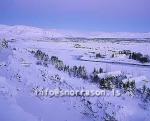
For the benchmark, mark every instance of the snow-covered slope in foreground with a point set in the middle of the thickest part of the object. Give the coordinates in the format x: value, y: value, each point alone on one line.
x: 27, y: 32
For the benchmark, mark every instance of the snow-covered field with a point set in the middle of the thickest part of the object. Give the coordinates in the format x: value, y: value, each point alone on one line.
x: 20, y: 76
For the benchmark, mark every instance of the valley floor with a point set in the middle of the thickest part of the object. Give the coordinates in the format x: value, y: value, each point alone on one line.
x: 20, y: 76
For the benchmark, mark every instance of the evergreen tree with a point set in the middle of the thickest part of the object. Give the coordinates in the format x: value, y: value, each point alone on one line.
x: 4, y: 43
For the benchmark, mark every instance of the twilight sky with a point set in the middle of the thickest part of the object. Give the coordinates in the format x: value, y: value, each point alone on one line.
x: 78, y: 15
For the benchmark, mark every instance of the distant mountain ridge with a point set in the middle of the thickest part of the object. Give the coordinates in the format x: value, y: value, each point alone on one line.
x: 28, y: 32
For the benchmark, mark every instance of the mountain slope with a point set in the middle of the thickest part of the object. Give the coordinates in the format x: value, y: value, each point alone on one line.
x: 27, y: 32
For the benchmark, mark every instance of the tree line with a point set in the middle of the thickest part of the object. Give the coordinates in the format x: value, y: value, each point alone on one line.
x: 108, y: 82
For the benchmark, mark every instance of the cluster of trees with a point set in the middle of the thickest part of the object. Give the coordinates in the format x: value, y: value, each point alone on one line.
x: 126, y: 52
x: 144, y: 93
x: 135, y: 56
x: 108, y: 82
x: 147, y: 94
x: 111, y: 82
x: 132, y: 55
x: 139, y: 57
x: 94, y: 76
x: 98, y: 55
x: 76, y: 71
x: 79, y: 72
x: 43, y: 59
x: 129, y: 86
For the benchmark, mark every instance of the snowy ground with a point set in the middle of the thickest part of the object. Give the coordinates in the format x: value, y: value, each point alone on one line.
x: 19, y: 75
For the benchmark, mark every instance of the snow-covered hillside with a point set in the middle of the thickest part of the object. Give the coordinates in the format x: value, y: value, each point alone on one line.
x: 28, y: 32
x: 31, y: 69
x: 120, y: 35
